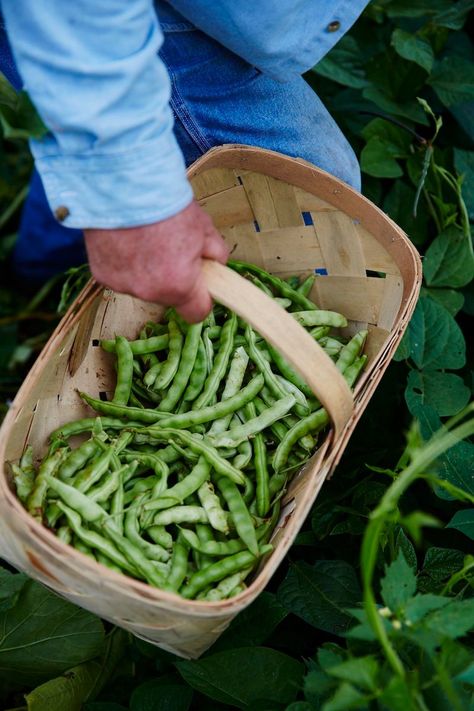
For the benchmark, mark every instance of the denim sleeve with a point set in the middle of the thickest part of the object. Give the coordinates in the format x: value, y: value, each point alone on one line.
x: 91, y: 68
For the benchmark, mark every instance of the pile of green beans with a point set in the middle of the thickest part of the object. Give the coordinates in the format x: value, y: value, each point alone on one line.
x: 177, y: 479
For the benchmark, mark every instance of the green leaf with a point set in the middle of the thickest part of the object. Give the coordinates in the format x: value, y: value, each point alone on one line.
x: 154, y: 695
x: 445, y: 392
x: 376, y: 159
x: 407, y: 109
x: 455, y: 16
x: 420, y: 605
x: 464, y: 164
x: 300, y: 706
x: 399, y: 583
x: 399, y: 203
x: 242, y: 677
x: 450, y: 299
x: 441, y: 563
x: 346, y: 697
x: 22, y: 120
x: 360, y: 671
x: 467, y: 676
x: 8, y: 95
x: 452, y: 79
x: 403, y: 544
x: 344, y: 64
x: 43, y: 635
x: 316, y: 686
x: 457, y: 464
x: 321, y: 593
x: 449, y: 260
x: 463, y: 521
x: 67, y: 692
x: 414, y: 48
x: 104, y: 706
x: 397, y: 695
x: 436, y: 341
x: 422, y: 8
x: 254, y: 624
x: 11, y: 585
x: 453, y: 620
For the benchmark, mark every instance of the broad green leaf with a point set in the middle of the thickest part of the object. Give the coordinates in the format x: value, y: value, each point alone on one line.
x: 155, y: 695
x: 420, y: 605
x: 241, y: 677
x: 455, y: 16
x: 407, y: 109
x: 441, y: 563
x: 104, y: 706
x: 254, y: 624
x: 43, y: 635
x: 467, y: 676
x: 464, y: 163
x: 403, y: 544
x: 362, y: 672
x: 22, y: 121
x: 67, y: 692
x: 320, y: 594
x: 398, y: 204
x: 397, y: 695
x: 451, y: 299
x: 445, y: 392
x: 414, y: 48
x: 300, y: 706
x: 316, y: 686
x: 377, y: 159
x: 329, y: 655
x: 344, y: 64
x: 463, y: 521
x: 11, y: 585
x: 398, y: 584
x: 422, y: 8
x: 457, y: 464
x: 452, y: 79
x: 449, y: 260
x: 8, y: 95
x: 346, y: 697
x: 453, y: 620
x: 436, y: 341
x: 398, y: 139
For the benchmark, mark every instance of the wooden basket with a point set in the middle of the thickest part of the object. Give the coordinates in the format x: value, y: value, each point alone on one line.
x: 277, y: 212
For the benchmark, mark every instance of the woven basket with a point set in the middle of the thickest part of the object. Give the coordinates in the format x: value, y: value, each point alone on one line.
x: 277, y: 212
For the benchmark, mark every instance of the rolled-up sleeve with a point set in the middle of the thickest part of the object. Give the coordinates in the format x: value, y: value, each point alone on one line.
x: 110, y: 158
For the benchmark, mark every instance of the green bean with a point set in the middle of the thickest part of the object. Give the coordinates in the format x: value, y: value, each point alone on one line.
x: 221, y: 361
x: 301, y: 407
x: 134, y: 401
x: 181, y: 379
x: 198, y: 447
x: 306, y: 286
x: 353, y: 371
x: 104, y: 490
x: 170, y: 366
x: 263, y: 365
x: 152, y: 461
x: 48, y: 467
x: 319, y: 332
x: 226, y: 587
x: 147, y: 395
x: 208, y: 348
x: 95, y: 540
x: 261, y: 469
x: 64, y: 534
x: 152, y: 373
x: 287, y: 371
x: 83, y: 548
x: 238, y: 434
x: 293, y: 281
x: 222, y: 569
x: 235, y: 378
x: 278, y: 284
x: 24, y: 481
x: 212, y: 506
x: 87, y: 509
x: 137, y: 414
x: 284, y: 303
x: 116, y: 507
x: 94, y: 471
x: 124, y: 371
x: 105, y: 560
x: 153, y: 551
x: 160, y: 535
x: 180, y: 514
x: 350, y: 351
x: 179, y: 562
x: 314, y: 422
x: 218, y: 549
x: 211, y: 412
x: 239, y: 513
x: 141, y: 346
x: 184, y: 488
x: 198, y: 376
x: 320, y: 318
x: 249, y: 491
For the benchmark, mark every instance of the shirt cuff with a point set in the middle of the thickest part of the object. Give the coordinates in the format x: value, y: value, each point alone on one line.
x: 139, y: 186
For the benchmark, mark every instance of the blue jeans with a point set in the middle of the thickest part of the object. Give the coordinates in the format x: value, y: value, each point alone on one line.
x: 217, y: 98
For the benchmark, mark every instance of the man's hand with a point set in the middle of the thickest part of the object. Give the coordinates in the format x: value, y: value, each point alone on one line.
x: 160, y: 262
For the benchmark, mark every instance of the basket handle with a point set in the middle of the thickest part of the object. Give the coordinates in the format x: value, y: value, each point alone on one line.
x: 285, y: 333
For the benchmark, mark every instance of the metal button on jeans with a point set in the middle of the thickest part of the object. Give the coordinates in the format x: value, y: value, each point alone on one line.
x: 333, y: 26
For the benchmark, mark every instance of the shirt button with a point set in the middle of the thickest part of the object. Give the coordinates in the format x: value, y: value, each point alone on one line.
x: 333, y: 26
x: 61, y: 213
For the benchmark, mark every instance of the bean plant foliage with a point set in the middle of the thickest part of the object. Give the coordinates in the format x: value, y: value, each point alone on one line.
x: 374, y: 606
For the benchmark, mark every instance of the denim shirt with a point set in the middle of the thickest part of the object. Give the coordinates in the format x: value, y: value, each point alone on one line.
x: 93, y: 72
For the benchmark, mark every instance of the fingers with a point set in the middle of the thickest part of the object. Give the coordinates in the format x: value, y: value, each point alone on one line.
x: 198, y: 304
x: 215, y: 247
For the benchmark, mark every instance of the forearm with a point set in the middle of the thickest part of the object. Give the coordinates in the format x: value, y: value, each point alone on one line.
x: 92, y: 70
